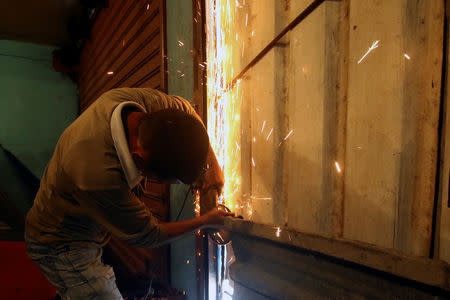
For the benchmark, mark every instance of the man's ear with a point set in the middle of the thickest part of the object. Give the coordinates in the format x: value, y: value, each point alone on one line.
x: 138, y: 160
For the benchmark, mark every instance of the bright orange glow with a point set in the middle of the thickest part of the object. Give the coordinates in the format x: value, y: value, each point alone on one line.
x: 197, y: 203
x: 224, y: 102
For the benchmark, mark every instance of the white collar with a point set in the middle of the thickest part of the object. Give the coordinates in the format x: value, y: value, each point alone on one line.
x: 121, y: 144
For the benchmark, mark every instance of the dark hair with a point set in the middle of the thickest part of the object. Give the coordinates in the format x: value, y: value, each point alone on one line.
x: 177, y: 144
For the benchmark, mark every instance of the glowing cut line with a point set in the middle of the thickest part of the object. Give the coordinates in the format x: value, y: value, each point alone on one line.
x: 374, y: 46
x: 338, y: 168
x: 262, y: 129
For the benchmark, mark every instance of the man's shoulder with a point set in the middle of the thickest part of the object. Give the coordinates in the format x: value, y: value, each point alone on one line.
x: 91, y: 166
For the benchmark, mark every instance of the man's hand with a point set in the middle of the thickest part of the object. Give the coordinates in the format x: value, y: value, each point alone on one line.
x: 213, y: 217
x: 216, y: 216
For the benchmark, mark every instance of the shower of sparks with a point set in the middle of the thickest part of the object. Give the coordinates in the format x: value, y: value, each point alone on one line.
x: 110, y: 73
x: 253, y: 162
x: 253, y: 33
x: 180, y: 44
x: 288, y: 135
x: 278, y: 232
x: 197, y: 203
x: 246, y: 19
x: 188, y: 261
x: 148, y: 5
x: 254, y: 140
x: 374, y: 46
x: 220, y: 237
x: 270, y: 133
x: 262, y: 128
x: 407, y: 56
x: 338, y: 168
x: 223, y: 100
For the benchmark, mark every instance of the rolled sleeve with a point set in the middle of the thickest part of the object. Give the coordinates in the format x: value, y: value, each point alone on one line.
x: 122, y: 214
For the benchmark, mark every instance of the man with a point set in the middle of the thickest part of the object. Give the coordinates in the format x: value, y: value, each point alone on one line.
x: 90, y: 186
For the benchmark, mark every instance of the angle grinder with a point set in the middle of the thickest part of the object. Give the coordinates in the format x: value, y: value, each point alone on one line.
x: 209, y: 200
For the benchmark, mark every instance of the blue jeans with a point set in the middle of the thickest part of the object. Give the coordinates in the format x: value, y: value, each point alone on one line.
x: 76, y: 272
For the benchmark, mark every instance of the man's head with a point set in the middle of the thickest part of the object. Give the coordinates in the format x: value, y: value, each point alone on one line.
x: 172, y: 145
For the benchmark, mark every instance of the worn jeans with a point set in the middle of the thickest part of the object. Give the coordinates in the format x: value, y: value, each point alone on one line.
x: 76, y: 272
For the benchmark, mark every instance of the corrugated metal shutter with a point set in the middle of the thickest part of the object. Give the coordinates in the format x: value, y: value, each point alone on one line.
x: 126, y: 49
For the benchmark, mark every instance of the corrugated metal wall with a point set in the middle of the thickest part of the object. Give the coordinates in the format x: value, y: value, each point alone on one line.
x: 126, y: 49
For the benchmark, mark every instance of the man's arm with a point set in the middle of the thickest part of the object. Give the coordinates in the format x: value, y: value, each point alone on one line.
x: 124, y: 215
x: 214, y: 217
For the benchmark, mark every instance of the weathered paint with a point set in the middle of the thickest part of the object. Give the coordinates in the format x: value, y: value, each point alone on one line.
x: 37, y: 105
x: 180, y: 82
x: 393, y: 109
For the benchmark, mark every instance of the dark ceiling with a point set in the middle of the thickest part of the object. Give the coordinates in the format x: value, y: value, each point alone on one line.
x: 50, y: 22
